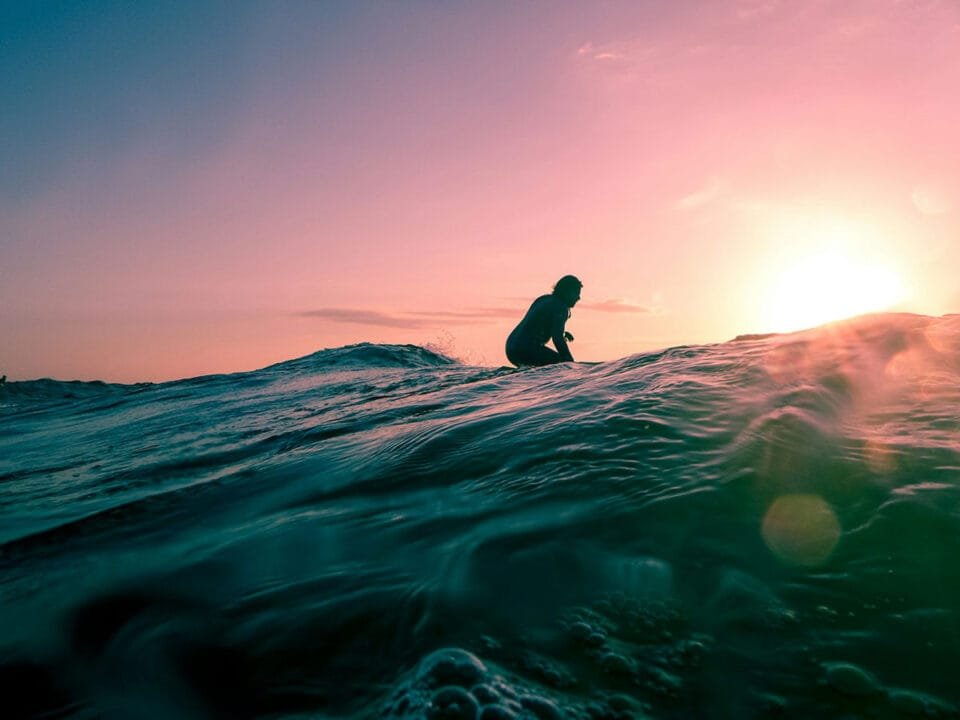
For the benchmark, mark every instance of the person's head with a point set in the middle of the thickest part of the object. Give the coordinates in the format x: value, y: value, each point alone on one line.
x: 568, y: 289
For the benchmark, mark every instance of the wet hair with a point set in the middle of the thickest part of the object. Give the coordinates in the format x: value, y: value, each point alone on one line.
x: 567, y: 285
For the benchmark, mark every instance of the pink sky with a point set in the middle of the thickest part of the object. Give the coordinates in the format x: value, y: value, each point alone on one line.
x: 415, y: 173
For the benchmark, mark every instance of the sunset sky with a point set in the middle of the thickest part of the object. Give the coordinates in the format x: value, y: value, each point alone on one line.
x: 196, y: 187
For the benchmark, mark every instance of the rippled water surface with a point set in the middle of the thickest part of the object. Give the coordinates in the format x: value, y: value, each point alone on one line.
x: 768, y: 527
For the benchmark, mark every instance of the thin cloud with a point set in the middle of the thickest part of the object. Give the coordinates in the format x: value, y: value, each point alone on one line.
x: 750, y: 9
x: 421, y: 319
x: 410, y: 320
x: 475, y: 314
x: 352, y: 316
x: 705, y: 195
x: 609, y: 52
x: 617, y: 306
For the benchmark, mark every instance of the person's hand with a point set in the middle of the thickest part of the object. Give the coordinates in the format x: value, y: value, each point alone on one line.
x: 568, y: 336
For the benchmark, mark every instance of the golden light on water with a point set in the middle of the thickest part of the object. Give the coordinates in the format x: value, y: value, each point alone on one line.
x: 801, y: 529
x: 880, y: 457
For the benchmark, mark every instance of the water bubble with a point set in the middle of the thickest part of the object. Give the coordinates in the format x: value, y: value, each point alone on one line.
x: 580, y: 630
x: 615, y: 663
x: 801, y: 529
x: 596, y: 639
x: 918, y: 704
x: 907, y: 702
x: 452, y: 703
x: 541, y: 707
x: 485, y: 694
x: 850, y: 679
x: 452, y: 666
x: 497, y: 712
x: 663, y: 682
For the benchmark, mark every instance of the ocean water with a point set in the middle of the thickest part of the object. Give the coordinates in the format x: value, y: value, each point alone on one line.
x: 768, y: 527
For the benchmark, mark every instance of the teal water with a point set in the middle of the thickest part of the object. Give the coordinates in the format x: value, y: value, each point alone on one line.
x: 768, y: 527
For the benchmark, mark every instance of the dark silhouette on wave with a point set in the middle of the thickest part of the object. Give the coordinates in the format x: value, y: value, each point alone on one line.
x: 545, y: 321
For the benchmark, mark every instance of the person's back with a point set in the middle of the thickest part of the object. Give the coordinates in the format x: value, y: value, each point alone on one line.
x: 545, y: 320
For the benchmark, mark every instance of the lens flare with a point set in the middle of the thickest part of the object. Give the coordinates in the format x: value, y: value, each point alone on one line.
x: 801, y: 529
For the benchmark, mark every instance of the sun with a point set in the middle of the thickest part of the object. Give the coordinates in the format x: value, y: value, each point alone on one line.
x: 831, y: 276
x: 830, y: 286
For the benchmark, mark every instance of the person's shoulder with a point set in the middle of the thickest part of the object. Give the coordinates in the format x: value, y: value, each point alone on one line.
x: 555, y: 303
x: 550, y: 305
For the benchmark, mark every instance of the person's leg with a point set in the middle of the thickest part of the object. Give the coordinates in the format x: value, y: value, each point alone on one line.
x: 533, y: 356
x: 546, y: 356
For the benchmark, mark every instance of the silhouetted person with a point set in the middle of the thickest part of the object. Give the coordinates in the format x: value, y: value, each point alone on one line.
x: 545, y: 320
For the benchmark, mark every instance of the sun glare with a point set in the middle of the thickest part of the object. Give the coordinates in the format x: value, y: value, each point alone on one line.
x: 829, y: 286
x: 825, y: 268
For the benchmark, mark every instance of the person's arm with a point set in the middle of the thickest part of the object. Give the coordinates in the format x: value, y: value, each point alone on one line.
x: 558, y: 335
